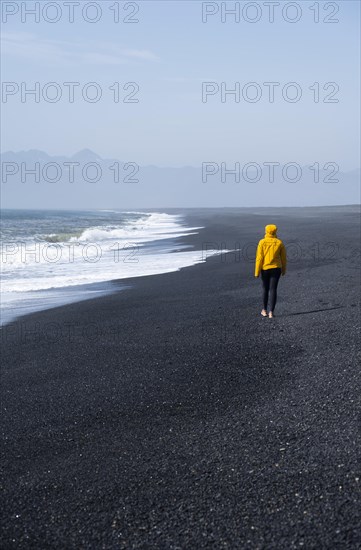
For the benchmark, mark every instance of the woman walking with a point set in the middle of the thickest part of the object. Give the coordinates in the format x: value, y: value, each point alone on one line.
x: 271, y: 261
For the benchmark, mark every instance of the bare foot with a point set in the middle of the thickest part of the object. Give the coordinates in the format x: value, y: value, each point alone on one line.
x: 264, y: 313
x: 270, y: 315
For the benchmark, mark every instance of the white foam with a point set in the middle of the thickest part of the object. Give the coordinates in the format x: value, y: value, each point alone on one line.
x: 101, y: 253
x: 31, y: 256
x: 131, y: 264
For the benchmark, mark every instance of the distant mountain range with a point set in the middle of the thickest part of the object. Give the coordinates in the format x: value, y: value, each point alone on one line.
x: 34, y: 179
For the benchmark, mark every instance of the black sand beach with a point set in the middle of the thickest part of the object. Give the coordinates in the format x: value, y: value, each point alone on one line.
x: 172, y: 415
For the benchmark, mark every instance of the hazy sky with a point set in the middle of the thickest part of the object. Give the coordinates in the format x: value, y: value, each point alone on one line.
x: 169, y: 53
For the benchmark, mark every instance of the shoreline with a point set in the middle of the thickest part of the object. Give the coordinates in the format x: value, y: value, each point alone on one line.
x: 154, y: 249
x: 172, y: 415
x: 183, y: 241
x: 102, y: 287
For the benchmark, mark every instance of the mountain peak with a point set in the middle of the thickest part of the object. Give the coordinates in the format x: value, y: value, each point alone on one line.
x: 86, y: 154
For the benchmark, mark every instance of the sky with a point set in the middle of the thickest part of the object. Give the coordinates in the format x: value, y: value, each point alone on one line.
x: 169, y: 54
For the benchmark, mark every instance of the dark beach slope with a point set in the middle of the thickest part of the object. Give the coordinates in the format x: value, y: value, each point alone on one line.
x: 173, y: 416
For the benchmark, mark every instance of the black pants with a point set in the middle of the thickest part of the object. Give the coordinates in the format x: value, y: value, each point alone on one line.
x: 270, y: 278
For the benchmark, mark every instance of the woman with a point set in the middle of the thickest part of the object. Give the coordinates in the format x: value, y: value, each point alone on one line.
x: 271, y: 262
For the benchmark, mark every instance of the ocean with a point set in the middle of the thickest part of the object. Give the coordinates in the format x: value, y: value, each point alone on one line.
x: 51, y: 258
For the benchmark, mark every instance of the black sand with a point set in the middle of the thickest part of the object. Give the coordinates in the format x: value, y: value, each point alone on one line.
x: 173, y: 416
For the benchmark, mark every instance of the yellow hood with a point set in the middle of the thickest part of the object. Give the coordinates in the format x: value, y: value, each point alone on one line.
x: 271, y: 230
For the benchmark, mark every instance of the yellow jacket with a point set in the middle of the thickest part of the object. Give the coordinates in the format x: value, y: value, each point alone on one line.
x: 271, y: 252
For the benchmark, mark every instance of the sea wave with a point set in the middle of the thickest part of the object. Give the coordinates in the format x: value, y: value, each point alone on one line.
x: 95, y: 253
x: 150, y: 264
x: 48, y: 255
